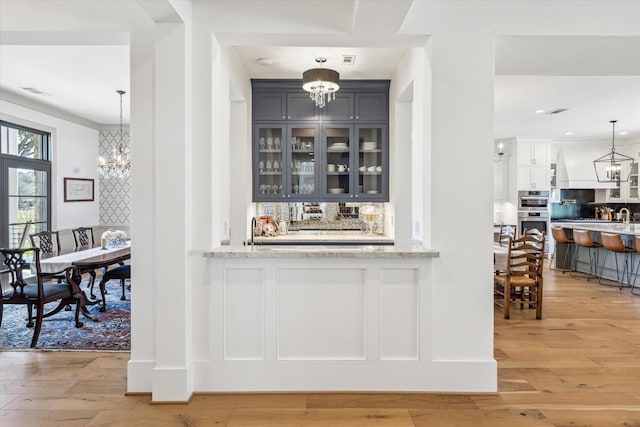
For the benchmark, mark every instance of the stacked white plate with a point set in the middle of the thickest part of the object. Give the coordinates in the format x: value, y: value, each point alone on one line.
x: 336, y: 190
x: 338, y: 145
x: 368, y: 145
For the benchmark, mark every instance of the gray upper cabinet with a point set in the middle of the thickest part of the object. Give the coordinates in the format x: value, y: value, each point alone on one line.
x: 371, y: 107
x: 269, y: 106
x: 362, y: 107
x: 300, y: 107
x: 304, y: 153
x: 340, y: 109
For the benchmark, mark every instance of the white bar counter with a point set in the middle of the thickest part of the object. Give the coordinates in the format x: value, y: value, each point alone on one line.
x: 320, y: 318
x: 632, y: 229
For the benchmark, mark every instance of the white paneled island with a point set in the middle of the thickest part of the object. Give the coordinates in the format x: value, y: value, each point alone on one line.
x: 286, y: 318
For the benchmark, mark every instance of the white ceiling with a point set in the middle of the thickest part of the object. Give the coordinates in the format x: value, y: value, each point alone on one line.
x: 596, y: 78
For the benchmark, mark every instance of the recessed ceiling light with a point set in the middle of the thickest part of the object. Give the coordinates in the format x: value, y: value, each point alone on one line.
x: 568, y: 133
x: 265, y: 62
x: 624, y: 132
x: 540, y: 111
x: 35, y: 91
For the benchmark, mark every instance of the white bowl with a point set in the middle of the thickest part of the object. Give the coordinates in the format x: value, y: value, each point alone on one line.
x: 363, y: 168
x: 371, y: 169
x: 379, y: 168
x: 336, y: 190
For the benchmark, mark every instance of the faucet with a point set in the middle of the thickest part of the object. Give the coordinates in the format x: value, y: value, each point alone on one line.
x: 626, y: 217
x: 254, y: 224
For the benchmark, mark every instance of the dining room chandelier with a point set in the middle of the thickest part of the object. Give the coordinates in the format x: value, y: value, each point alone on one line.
x: 118, y: 164
x: 613, y: 166
x: 321, y: 83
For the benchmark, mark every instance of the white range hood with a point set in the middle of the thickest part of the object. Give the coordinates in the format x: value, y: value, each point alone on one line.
x: 576, y: 166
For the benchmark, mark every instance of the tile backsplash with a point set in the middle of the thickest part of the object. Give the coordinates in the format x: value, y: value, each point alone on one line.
x: 326, y: 216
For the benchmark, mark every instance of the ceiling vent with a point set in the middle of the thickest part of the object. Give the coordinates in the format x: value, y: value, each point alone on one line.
x: 557, y: 111
x: 348, y: 59
x: 36, y: 91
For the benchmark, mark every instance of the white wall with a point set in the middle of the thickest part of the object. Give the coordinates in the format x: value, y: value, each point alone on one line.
x: 74, y: 154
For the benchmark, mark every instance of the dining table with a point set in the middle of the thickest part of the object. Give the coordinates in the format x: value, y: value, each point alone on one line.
x: 85, y: 259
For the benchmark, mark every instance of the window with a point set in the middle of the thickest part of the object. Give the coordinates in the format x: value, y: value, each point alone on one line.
x: 25, y: 183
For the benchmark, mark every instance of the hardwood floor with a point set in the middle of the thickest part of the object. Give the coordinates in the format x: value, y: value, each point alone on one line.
x: 578, y: 366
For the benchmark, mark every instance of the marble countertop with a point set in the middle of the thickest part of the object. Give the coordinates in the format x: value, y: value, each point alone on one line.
x: 320, y: 236
x: 319, y: 251
x: 608, y: 227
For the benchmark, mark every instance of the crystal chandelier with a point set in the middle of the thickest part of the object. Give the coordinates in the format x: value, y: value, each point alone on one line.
x: 613, y: 167
x: 118, y: 165
x: 321, y: 83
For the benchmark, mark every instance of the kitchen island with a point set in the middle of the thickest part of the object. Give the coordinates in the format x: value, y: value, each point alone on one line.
x: 286, y: 318
x: 628, y: 232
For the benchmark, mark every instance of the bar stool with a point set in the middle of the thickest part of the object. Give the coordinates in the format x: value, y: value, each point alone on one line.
x: 613, y: 242
x: 583, y: 239
x: 560, y: 236
x: 635, y: 276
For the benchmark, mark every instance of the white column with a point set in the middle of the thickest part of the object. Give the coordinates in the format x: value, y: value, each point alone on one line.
x: 172, y: 379
x: 143, y: 274
x: 462, y: 70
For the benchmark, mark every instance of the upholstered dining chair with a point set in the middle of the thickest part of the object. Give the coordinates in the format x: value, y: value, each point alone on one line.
x: 121, y: 273
x: 84, y: 239
x: 522, y: 279
x: 36, y: 295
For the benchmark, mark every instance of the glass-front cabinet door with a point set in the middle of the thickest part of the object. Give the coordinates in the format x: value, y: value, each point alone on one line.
x: 337, y: 146
x: 302, y: 172
x: 268, y: 162
x: 285, y: 162
x: 372, y: 161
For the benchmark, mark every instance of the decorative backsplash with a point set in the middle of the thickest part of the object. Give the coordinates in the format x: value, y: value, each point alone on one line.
x: 115, y: 194
x: 326, y: 216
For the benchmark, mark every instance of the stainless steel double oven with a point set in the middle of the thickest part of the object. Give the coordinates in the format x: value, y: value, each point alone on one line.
x: 534, y: 213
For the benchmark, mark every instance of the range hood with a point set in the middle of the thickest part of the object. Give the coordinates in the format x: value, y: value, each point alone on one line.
x: 576, y: 166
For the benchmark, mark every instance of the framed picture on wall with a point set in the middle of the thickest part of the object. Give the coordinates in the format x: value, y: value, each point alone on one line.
x: 78, y: 190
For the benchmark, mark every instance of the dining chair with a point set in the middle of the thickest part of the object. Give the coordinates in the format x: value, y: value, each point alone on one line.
x: 84, y: 239
x: 47, y: 241
x: 36, y: 295
x: 522, y: 280
x: 121, y: 273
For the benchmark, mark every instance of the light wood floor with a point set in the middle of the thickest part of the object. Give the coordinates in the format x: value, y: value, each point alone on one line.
x: 579, y: 366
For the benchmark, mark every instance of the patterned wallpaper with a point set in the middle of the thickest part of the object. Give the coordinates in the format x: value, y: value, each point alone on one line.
x: 115, y: 194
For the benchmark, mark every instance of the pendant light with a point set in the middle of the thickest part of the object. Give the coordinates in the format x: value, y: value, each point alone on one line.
x: 118, y: 165
x: 613, y: 167
x: 321, y: 83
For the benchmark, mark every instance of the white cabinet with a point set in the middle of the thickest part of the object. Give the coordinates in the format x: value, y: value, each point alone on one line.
x: 533, y: 153
x: 625, y: 191
x: 533, y: 178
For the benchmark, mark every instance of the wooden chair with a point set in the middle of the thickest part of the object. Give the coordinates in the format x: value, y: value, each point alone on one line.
x: 47, y: 241
x: 40, y: 293
x: 84, y: 239
x: 522, y: 281
x: 121, y: 273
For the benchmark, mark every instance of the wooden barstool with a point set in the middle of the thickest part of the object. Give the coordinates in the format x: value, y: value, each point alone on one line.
x: 583, y: 239
x: 560, y: 236
x: 613, y: 242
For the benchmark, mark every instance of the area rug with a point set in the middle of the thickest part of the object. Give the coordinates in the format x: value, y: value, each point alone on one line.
x: 111, y: 332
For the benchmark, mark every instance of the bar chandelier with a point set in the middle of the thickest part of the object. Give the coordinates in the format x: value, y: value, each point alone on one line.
x: 613, y: 167
x: 321, y: 83
x: 118, y: 165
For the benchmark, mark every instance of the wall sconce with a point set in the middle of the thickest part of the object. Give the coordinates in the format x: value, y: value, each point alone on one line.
x: 497, y: 157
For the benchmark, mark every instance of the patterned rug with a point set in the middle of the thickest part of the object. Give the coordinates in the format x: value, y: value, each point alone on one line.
x: 111, y: 333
